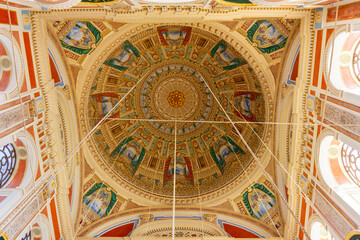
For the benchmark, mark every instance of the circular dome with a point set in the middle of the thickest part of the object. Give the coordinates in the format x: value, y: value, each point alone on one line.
x: 178, y: 72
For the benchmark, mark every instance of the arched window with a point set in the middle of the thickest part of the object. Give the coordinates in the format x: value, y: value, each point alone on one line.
x: 351, y: 161
x: 343, y: 62
x: 8, y: 163
x: 340, y: 168
x: 319, y: 232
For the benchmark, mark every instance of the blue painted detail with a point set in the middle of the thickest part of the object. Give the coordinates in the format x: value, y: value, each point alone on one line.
x: 318, y: 23
x: 40, y: 101
x: 220, y: 222
x: 183, y: 217
x: 289, y: 81
x: 135, y: 221
x: 61, y: 83
x: 27, y: 12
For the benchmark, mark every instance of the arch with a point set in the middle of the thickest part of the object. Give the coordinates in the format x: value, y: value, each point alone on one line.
x: 68, y: 126
x: 11, y: 65
x: 318, y: 229
x: 192, y: 226
x: 26, y: 153
x: 319, y: 232
x: 25, y: 169
x: 342, y: 63
x: 141, y: 222
x: 283, y: 139
x: 56, y: 64
x: 333, y: 172
x: 290, y: 72
x: 39, y: 228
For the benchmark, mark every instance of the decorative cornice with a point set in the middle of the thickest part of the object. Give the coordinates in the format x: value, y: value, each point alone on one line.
x: 205, y: 210
x: 302, y: 88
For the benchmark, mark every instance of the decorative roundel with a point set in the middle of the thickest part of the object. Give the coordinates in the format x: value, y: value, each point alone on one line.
x: 36, y: 232
x: 175, y: 91
x: 181, y: 73
x: 22, y: 152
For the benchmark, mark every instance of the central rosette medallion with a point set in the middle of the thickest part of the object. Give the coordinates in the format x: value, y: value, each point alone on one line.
x: 175, y: 92
x: 176, y: 99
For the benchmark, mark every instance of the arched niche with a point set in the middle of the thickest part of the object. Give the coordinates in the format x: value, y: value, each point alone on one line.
x: 39, y: 228
x: 11, y: 66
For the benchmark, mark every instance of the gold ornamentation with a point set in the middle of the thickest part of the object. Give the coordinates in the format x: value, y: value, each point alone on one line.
x: 147, y: 217
x: 353, y: 235
x: 3, y: 236
x: 176, y: 99
x: 210, y: 217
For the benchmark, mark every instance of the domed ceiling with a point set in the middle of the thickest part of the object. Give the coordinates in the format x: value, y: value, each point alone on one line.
x: 176, y: 69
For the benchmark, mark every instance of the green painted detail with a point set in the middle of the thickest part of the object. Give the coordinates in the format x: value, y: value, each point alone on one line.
x: 148, y: 58
x: 132, y: 128
x: 220, y: 162
x: 82, y: 51
x: 120, y: 148
x: 79, y: 51
x: 221, y: 77
x: 165, y: 148
x: 234, y: 62
x: 189, y: 50
x: 153, y: 143
x: 274, y: 47
x: 161, y: 54
x: 112, y: 200
x: 355, y: 237
x: 247, y: 204
x: 127, y: 47
x: 135, y: 164
x: 251, y: 32
x: 221, y: 44
x: 246, y: 197
x: 235, y: 147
